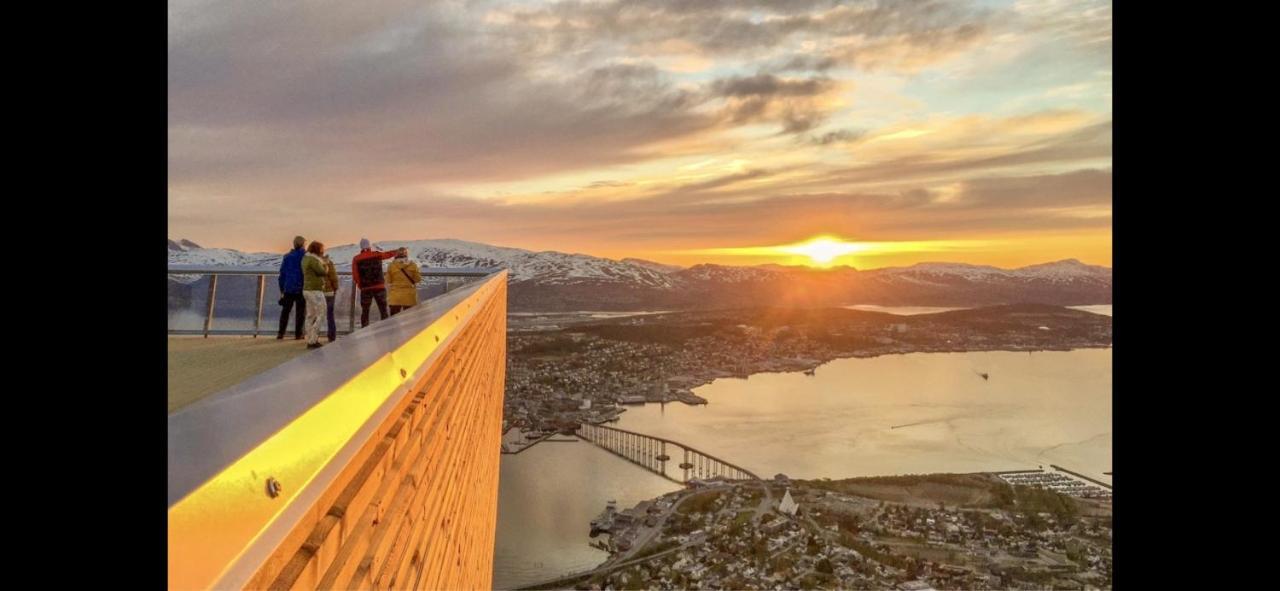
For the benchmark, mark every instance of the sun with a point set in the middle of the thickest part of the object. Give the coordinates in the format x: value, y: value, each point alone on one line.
x: 823, y: 250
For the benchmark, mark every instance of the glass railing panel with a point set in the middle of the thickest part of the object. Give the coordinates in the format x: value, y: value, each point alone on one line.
x: 188, y: 301
x: 235, y: 304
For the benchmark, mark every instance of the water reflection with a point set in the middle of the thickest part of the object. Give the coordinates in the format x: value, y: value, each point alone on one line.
x: 898, y: 414
x: 902, y: 310
x: 895, y: 414
x: 548, y: 496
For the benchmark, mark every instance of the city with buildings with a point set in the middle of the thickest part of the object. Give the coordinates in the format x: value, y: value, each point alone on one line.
x: 941, y: 531
x: 563, y: 370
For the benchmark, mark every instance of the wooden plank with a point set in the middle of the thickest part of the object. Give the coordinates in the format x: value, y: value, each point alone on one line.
x: 448, y: 415
x: 443, y: 559
x: 431, y: 545
x: 426, y: 501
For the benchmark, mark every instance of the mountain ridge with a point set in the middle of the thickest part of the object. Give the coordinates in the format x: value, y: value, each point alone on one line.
x: 552, y: 280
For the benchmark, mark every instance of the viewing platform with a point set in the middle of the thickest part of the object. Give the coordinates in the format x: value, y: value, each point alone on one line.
x: 201, y: 366
x: 370, y: 462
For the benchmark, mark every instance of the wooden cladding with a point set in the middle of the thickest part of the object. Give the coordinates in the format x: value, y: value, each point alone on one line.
x: 417, y: 506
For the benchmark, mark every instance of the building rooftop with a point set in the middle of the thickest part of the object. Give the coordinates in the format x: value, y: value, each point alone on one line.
x: 199, y: 366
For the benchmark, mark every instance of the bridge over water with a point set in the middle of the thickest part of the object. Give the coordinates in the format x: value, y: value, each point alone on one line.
x: 672, y: 460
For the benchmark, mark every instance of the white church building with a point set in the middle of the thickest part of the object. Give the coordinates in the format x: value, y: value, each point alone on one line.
x: 788, y: 505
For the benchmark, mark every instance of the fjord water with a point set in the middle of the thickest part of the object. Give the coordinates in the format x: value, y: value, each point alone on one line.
x: 904, y: 414
x: 1103, y: 309
x: 894, y: 414
x: 547, y: 497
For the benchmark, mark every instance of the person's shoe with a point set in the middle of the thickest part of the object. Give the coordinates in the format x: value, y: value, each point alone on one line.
x: 279, y: 337
x: 297, y: 338
x: 314, y: 345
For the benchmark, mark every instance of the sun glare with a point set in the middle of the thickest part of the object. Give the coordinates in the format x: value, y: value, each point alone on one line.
x: 827, y: 251
x: 823, y: 250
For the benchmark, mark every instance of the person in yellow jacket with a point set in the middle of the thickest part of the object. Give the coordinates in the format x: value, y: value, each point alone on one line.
x: 402, y: 281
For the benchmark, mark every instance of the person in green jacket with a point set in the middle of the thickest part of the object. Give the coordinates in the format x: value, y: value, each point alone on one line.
x: 315, y: 274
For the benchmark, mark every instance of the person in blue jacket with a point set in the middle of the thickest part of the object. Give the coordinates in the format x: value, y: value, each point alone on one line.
x: 291, y: 288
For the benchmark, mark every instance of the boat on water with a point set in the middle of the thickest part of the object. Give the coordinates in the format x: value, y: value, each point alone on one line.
x: 604, y: 522
x: 810, y: 371
x: 663, y: 457
x: 686, y: 465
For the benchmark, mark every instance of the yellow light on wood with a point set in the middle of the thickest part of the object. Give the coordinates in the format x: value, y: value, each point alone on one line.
x: 213, y: 527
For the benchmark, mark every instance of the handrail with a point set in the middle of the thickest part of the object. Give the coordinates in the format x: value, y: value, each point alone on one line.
x: 182, y: 269
x: 298, y: 424
x: 214, y: 271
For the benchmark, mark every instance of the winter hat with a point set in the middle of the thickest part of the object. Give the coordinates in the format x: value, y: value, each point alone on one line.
x: 364, y: 244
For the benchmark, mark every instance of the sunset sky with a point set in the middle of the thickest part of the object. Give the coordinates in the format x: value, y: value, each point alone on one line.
x: 676, y: 131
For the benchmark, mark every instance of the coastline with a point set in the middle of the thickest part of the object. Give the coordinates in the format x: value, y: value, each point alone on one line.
x: 691, y: 382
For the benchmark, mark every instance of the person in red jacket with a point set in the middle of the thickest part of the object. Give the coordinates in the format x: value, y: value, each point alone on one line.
x: 366, y: 271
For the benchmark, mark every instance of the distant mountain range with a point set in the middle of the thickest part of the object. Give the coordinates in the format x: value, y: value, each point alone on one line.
x: 556, y: 281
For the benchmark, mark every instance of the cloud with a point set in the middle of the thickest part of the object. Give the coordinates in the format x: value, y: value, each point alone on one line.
x: 577, y: 121
x: 360, y: 98
x: 839, y: 136
x: 766, y: 97
x: 769, y: 85
x: 263, y: 94
x: 985, y: 204
x: 867, y: 31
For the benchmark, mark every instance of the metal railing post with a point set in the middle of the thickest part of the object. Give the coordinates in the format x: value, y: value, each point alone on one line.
x: 257, y: 320
x: 208, y: 317
x: 351, y: 318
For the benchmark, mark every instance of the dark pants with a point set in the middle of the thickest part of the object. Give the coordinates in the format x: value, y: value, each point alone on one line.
x: 368, y: 296
x: 396, y: 309
x: 333, y: 326
x: 289, y: 300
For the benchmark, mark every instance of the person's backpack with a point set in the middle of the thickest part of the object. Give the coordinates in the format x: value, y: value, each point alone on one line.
x: 370, y: 270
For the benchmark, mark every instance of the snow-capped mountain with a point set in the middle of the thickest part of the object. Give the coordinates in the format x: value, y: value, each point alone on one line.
x: 550, y: 280
x: 659, y: 267
x: 1063, y: 271
x: 729, y: 274
x: 523, y: 265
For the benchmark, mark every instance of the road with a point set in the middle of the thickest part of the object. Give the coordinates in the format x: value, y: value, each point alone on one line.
x: 606, y: 568
x: 645, y: 536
